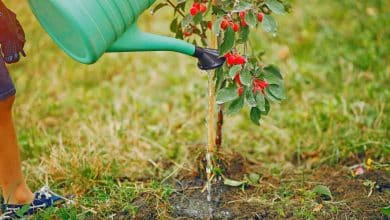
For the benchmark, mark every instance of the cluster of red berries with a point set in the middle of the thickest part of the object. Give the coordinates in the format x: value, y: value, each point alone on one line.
x: 242, y: 14
x: 226, y: 23
x: 198, y: 7
x: 242, y: 18
x: 235, y: 59
x: 259, y: 85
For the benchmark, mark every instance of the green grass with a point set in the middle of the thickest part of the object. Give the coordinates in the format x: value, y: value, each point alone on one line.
x: 81, y: 127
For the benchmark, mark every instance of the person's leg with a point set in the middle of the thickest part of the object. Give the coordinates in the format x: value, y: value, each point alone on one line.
x: 14, y: 187
x: 12, y: 183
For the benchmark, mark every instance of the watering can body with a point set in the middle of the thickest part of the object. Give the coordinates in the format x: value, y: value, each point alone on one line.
x: 86, y: 29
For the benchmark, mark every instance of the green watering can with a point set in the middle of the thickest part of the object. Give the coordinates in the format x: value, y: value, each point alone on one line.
x: 86, y: 29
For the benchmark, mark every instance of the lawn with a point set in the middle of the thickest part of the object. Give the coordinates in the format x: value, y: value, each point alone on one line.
x: 126, y: 127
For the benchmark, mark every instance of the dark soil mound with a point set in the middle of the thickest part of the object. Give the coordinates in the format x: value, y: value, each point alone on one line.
x: 287, y: 195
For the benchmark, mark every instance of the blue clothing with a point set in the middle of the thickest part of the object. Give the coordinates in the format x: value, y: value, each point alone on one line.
x: 7, y: 87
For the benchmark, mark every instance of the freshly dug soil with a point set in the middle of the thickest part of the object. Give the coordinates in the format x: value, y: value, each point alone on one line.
x: 287, y: 195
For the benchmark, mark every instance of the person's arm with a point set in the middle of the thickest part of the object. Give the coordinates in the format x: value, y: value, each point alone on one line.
x: 3, y: 25
x: 12, y: 37
x: 5, y: 18
x: 9, y: 23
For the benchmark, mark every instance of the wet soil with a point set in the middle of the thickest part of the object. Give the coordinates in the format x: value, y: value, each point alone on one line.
x: 287, y: 195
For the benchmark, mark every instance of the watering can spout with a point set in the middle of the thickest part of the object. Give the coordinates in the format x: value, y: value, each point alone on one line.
x: 134, y: 40
x: 208, y: 58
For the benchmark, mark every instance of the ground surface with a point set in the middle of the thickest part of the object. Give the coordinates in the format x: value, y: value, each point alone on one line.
x: 119, y: 133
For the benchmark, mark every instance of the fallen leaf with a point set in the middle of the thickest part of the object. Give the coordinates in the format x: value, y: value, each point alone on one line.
x: 318, y: 208
x: 234, y: 183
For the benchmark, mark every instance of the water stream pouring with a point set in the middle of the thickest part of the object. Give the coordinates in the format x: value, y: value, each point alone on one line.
x: 86, y: 29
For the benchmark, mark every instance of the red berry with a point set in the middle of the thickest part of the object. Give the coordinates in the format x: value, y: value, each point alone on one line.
x: 240, y: 60
x: 194, y: 11
x: 237, y: 79
x: 242, y: 14
x: 224, y: 24
x: 260, y: 17
x: 243, y: 23
x: 196, y: 5
x: 231, y: 60
x: 259, y: 85
x: 236, y: 27
x: 202, y: 8
x: 187, y: 33
x: 240, y: 91
x: 210, y: 25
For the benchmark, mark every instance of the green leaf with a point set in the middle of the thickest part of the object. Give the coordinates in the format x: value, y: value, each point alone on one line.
x: 267, y: 107
x: 271, y: 97
x: 173, y: 26
x: 228, y: 41
x: 271, y: 69
x: 260, y: 100
x: 244, y: 34
x: 277, y: 91
x: 220, y: 76
x: 242, y: 6
x: 179, y: 34
x: 246, y: 77
x: 323, y: 191
x: 226, y: 95
x: 198, y: 18
x: 250, y: 98
x: 22, y: 211
x: 255, y: 115
x: 186, y: 21
x: 217, y: 10
x: 272, y: 79
x: 158, y: 7
x: 233, y: 183
x: 217, y: 25
x: 386, y: 211
x: 235, y: 106
x: 269, y: 24
x: 275, y: 6
x: 251, y: 19
x: 233, y: 71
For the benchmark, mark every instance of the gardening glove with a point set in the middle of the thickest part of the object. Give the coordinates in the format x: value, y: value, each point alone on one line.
x: 12, y: 37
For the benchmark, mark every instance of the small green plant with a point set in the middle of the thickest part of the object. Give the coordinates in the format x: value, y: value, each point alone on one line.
x: 386, y: 211
x: 323, y: 191
x: 245, y: 78
x: 21, y: 212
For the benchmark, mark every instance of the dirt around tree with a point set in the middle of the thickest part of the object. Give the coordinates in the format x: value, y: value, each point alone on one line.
x: 288, y: 195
